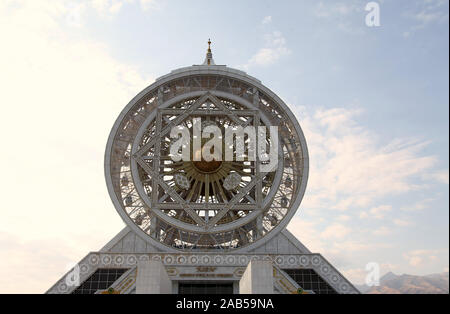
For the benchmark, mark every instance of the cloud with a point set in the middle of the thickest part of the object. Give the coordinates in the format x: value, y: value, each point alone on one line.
x: 439, y: 176
x: 346, y: 16
x: 426, y: 13
x: 352, y: 175
x: 414, y: 260
x: 418, y: 206
x: 357, y: 245
x: 403, y: 222
x: 327, y: 10
x: 60, y: 97
x: 32, y: 266
x: 76, y: 11
x: 112, y: 7
x: 150, y: 4
x: 275, y: 48
x: 308, y: 233
x: 344, y: 218
x: 267, y: 20
x: 382, y: 231
x: 337, y: 231
x: 425, y: 17
x: 350, y: 169
x: 336, y: 239
x: 379, y: 212
x: 431, y: 11
x: 418, y: 258
x: 355, y: 275
x: 107, y: 7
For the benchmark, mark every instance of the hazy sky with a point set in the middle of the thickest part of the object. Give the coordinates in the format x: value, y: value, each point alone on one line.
x: 373, y: 103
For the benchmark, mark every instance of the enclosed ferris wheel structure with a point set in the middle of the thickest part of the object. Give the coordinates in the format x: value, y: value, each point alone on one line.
x: 210, y: 223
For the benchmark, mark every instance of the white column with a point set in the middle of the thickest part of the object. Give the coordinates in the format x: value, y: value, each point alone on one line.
x: 152, y: 278
x: 257, y: 278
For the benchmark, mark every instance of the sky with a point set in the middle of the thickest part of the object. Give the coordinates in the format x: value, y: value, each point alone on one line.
x: 373, y: 103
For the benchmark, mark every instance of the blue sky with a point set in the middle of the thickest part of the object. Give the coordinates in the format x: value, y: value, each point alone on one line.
x: 373, y: 103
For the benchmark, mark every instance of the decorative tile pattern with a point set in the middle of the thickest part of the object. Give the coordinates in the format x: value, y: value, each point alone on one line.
x: 182, y: 181
x: 316, y: 262
x: 232, y: 181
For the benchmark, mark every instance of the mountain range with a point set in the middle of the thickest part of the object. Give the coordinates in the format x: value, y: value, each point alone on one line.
x: 409, y: 284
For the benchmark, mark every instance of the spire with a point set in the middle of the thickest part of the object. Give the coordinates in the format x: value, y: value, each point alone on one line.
x: 209, y: 58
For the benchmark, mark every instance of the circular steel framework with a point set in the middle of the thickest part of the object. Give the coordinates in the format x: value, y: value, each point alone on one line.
x: 204, y: 205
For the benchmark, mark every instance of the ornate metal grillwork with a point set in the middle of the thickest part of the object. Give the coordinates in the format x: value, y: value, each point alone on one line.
x: 308, y: 279
x: 189, y: 205
x: 100, y: 280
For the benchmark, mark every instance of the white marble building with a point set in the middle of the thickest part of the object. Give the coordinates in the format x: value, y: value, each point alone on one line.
x: 198, y: 226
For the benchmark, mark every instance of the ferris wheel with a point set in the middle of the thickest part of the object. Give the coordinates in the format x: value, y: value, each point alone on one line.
x: 197, y: 204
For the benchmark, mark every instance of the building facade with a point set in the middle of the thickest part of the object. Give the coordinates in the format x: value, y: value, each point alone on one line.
x: 200, y: 225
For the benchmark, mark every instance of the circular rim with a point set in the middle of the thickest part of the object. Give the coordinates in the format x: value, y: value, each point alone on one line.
x: 210, y: 70
x: 182, y: 225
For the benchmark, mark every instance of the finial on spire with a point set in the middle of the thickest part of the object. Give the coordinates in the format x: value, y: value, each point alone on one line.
x: 209, y: 58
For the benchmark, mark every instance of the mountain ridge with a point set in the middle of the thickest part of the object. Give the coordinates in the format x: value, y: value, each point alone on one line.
x: 391, y: 283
